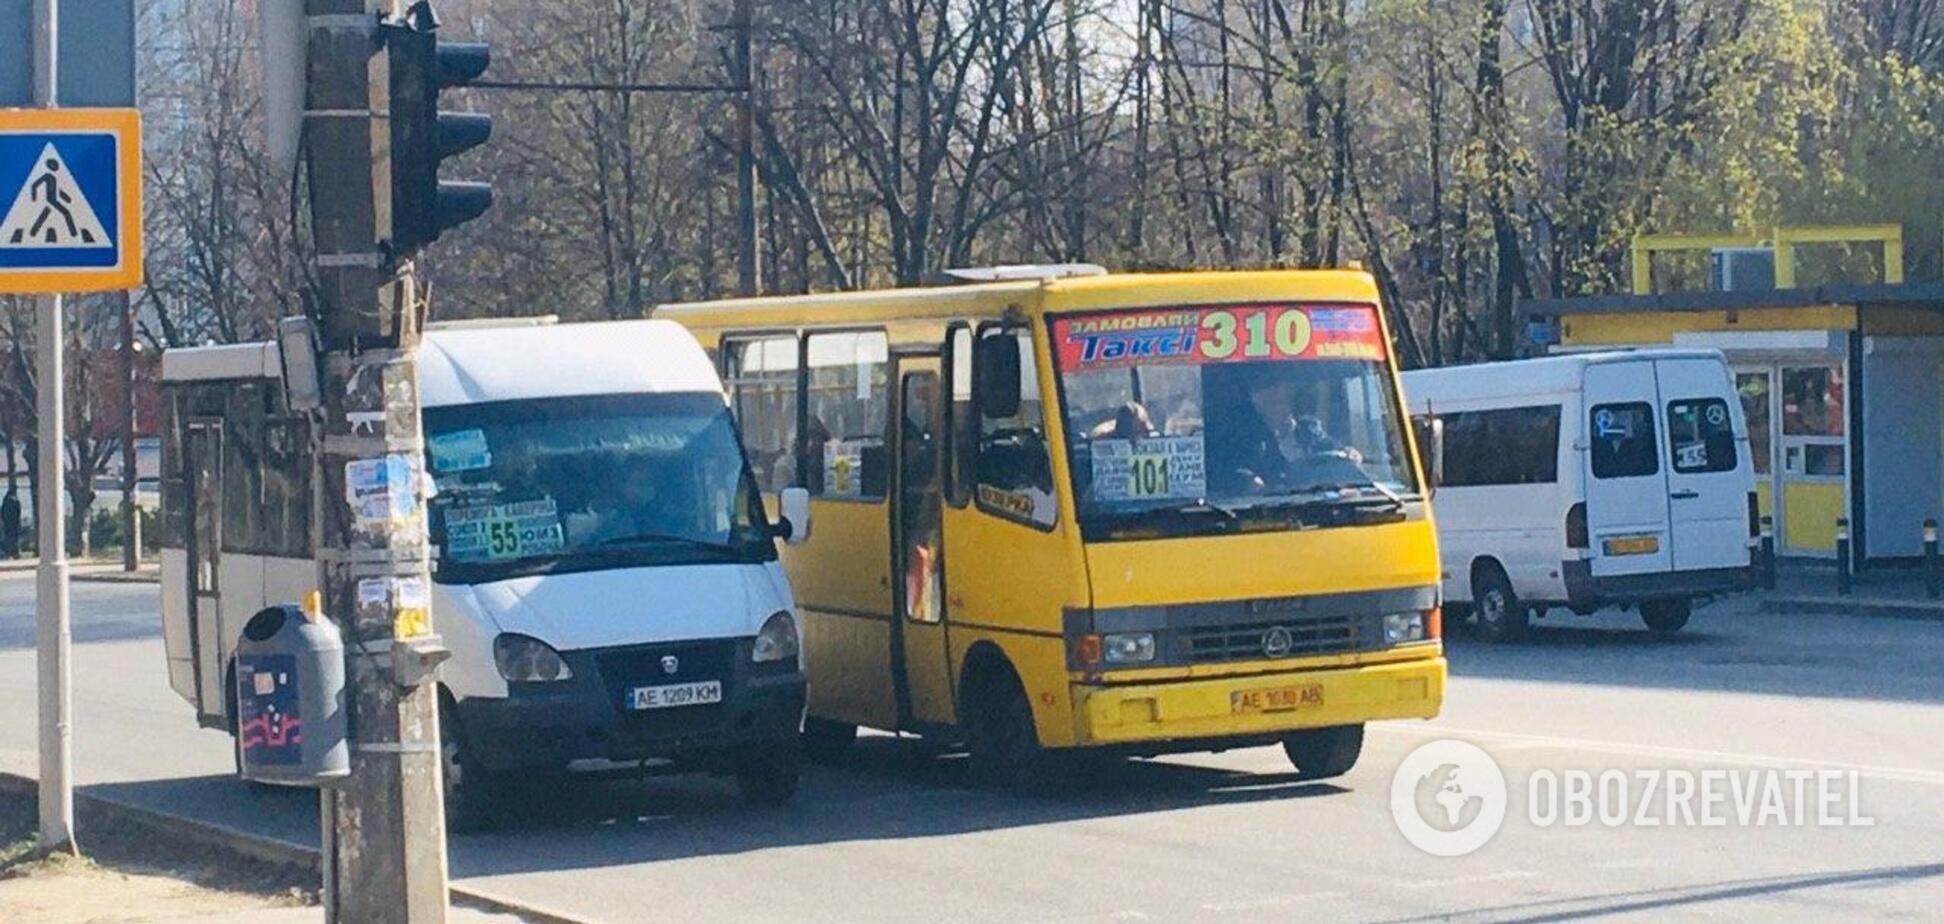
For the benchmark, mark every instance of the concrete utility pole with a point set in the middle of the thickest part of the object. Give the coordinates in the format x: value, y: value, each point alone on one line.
x: 386, y: 859
x: 52, y: 631
x: 749, y: 267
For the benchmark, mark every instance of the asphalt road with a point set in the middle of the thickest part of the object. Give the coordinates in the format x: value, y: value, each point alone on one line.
x: 895, y: 836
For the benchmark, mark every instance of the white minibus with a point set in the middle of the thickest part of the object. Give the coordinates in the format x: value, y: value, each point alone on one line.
x: 604, y: 571
x: 1589, y: 480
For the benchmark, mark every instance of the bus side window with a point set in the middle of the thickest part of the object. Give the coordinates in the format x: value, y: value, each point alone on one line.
x: 1015, y: 475
x: 175, y: 476
x: 848, y: 415
x: 963, y: 421
x: 761, y: 375
x: 243, y: 513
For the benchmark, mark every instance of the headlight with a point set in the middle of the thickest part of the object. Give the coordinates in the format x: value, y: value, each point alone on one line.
x: 777, y: 641
x: 1127, y: 647
x: 524, y: 659
x: 1403, y: 627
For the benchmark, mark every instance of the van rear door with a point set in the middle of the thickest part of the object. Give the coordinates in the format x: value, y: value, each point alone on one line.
x: 1708, y: 471
x: 1626, y: 482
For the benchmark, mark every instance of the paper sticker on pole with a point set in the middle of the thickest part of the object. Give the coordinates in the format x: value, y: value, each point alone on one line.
x: 71, y: 191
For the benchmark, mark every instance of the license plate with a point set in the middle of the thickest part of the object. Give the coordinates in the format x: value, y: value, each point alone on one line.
x: 702, y: 692
x: 1631, y: 545
x: 1277, y: 699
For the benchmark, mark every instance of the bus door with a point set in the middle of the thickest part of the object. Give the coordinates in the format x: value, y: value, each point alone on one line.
x: 203, y: 451
x: 920, y: 667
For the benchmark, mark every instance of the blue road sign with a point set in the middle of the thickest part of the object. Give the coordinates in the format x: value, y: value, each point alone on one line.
x: 97, y: 60
x: 70, y: 200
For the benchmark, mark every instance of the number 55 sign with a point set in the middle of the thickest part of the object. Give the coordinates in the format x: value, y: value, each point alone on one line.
x: 70, y: 200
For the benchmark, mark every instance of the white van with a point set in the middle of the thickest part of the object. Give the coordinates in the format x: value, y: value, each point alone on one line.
x: 1589, y: 480
x: 604, y: 572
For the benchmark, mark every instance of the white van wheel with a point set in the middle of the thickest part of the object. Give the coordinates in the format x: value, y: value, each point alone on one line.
x: 473, y: 795
x: 768, y: 773
x: 1502, y: 616
x: 826, y: 741
x: 1667, y: 616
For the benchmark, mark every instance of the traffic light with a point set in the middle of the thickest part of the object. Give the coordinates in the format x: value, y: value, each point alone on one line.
x: 424, y: 206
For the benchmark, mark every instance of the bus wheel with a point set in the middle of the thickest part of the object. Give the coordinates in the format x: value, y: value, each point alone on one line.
x: 768, y: 773
x: 1666, y: 616
x: 1502, y: 616
x: 825, y: 741
x: 474, y: 795
x: 999, y: 733
x: 1321, y: 753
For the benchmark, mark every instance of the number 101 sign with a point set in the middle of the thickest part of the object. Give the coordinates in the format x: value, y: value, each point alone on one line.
x: 1143, y: 469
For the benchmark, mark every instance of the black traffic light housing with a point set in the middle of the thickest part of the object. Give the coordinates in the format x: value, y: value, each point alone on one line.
x: 423, y: 206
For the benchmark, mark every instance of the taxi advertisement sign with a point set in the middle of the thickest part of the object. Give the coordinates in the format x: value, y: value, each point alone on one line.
x: 1228, y: 333
x: 70, y: 200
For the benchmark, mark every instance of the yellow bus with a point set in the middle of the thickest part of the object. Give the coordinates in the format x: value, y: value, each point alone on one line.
x: 1096, y: 513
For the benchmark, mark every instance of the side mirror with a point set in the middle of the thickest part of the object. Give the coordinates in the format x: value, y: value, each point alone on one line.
x: 997, y: 375
x: 1430, y: 440
x: 793, y: 515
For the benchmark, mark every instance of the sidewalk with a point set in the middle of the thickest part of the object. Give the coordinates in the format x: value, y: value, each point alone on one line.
x: 315, y: 915
x: 1810, y: 587
x: 101, y: 570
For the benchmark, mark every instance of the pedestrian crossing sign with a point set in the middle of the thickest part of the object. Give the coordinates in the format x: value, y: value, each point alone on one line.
x: 70, y: 200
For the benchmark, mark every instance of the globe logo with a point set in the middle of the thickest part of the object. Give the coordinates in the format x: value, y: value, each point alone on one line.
x: 1448, y: 798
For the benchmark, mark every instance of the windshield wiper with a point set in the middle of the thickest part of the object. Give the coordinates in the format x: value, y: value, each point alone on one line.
x: 1390, y: 503
x: 668, y: 539
x: 1194, y: 507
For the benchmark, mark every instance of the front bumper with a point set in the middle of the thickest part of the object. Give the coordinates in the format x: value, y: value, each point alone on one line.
x: 1196, y: 714
x: 549, y: 725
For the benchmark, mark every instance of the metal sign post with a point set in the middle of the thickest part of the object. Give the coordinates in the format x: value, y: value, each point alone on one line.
x: 70, y: 221
x: 53, y: 635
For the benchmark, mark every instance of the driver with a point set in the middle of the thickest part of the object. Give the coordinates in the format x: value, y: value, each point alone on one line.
x: 1276, y: 437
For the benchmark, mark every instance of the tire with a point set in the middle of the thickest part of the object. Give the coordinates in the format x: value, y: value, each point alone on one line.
x: 1322, y: 753
x: 1003, y: 742
x: 1666, y: 617
x: 1502, y: 616
x: 825, y: 741
x: 475, y: 797
x: 768, y: 774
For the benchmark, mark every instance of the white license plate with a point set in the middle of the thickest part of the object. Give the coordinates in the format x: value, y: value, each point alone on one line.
x: 699, y: 693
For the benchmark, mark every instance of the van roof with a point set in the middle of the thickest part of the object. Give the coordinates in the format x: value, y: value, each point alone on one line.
x: 606, y: 357
x: 473, y: 365
x: 1519, y: 377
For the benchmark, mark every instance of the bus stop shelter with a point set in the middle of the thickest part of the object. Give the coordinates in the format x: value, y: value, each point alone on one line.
x: 1842, y: 385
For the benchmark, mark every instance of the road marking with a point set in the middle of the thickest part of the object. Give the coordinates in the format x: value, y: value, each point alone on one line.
x: 1906, y: 774
x: 1507, y: 875
x: 1270, y: 901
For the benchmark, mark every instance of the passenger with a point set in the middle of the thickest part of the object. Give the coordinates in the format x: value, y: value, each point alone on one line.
x: 1130, y: 422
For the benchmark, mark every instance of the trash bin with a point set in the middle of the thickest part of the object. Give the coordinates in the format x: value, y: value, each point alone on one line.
x: 290, y: 708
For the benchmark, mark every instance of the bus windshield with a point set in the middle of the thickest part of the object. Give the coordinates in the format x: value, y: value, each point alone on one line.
x: 1228, y: 409
x: 584, y: 483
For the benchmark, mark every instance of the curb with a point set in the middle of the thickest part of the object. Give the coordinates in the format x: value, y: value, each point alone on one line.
x: 115, y: 577
x: 1923, y: 611
x: 235, y: 842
